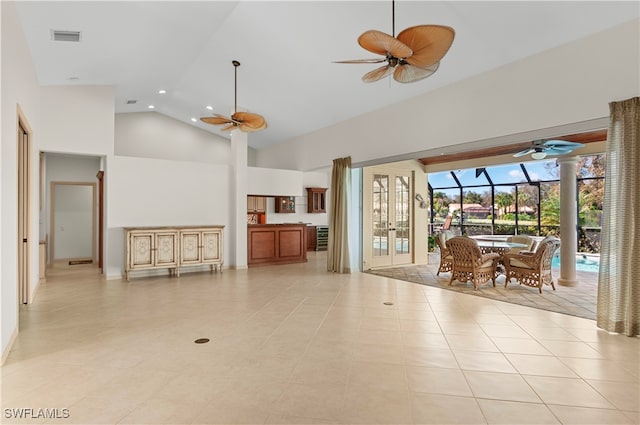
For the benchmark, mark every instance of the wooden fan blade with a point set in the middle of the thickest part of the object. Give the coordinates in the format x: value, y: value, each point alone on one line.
x: 409, y: 73
x: 217, y: 120
x: 229, y: 127
x: 248, y: 129
x: 377, y: 74
x: 381, y: 43
x: 363, y: 61
x: 429, y: 43
x: 247, y: 119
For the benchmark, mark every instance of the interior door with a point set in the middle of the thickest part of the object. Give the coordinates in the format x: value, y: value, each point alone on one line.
x: 23, y: 214
x: 387, y: 214
x: 73, y: 221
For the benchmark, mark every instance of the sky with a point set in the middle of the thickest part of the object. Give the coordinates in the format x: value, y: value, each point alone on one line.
x: 510, y: 173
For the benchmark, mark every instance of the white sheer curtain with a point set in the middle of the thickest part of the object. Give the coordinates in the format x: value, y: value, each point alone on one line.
x: 338, y: 244
x: 619, y: 279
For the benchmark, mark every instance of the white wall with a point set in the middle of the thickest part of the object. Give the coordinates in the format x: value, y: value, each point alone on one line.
x: 564, y: 85
x: 157, y: 192
x: 78, y: 119
x: 153, y: 135
x: 271, y: 182
x: 309, y: 179
x: 19, y: 88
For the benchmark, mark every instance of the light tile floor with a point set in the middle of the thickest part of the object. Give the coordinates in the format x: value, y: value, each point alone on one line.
x: 295, y: 344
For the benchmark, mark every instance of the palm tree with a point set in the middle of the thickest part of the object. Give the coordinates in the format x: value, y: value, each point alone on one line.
x: 504, y: 200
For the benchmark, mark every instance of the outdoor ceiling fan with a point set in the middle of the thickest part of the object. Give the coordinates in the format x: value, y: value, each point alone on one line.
x: 245, y: 121
x: 540, y: 148
x: 412, y: 56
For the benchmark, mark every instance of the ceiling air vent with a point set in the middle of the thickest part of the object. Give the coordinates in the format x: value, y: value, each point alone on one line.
x: 57, y: 35
x: 131, y: 102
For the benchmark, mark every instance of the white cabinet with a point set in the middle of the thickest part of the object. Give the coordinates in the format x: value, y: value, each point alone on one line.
x: 173, y: 248
x: 256, y: 204
x: 201, y: 246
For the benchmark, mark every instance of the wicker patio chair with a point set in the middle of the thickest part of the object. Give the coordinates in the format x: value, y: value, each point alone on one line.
x: 469, y: 264
x: 532, y: 268
x: 523, y: 239
x: 446, y: 260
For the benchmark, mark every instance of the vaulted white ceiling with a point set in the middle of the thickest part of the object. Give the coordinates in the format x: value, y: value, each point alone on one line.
x: 286, y: 50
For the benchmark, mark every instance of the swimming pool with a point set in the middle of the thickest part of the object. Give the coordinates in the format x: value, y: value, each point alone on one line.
x: 584, y: 263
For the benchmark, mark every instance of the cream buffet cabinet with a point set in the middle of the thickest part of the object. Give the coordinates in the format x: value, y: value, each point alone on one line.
x: 173, y: 248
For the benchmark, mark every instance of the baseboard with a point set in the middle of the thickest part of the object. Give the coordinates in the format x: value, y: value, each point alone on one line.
x: 12, y: 340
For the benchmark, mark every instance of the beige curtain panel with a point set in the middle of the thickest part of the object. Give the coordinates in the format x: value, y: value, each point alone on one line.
x: 619, y: 279
x: 338, y: 244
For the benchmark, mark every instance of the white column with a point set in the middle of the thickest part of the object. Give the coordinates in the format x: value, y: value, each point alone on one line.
x: 568, y: 221
x: 239, y: 186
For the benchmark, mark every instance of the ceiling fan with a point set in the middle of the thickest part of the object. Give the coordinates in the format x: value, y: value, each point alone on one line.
x: 413, y: 55
x: 540, y: 149
x: 245, y: 121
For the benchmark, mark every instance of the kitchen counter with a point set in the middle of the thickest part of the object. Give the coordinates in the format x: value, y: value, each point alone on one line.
x: 277, y: 243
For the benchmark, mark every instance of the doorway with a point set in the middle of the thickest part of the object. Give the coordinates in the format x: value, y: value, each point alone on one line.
x: 387, y: 218
x: 73, y: 222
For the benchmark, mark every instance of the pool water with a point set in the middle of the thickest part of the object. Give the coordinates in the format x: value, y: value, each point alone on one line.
x: 584, y: 263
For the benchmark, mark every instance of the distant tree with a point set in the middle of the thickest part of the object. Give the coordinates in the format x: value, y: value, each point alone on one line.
x: 472, y: 198
x: 486, y: 198
x: 528, y: 195
x: 440, y: 203
x: 504, y: 200
x: 550, y: 204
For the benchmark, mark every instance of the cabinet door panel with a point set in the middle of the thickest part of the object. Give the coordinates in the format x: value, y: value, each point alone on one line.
x: 141, y: 250
x: 211, y: 246
x: 261, y: 204
x: 190, y: 245
x: 166, y: 249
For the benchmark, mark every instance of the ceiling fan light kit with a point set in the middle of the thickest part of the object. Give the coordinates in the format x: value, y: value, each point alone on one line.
x: 412, y: 56
x: 245, y: 121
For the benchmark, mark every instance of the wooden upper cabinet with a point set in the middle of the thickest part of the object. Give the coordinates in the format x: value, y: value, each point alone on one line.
x: 316, y: 199
x: 285, y: 204
x: 256, y: 204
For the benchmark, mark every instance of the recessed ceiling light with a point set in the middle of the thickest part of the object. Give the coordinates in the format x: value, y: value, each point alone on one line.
x: 162, y: 91
x: 151, y: 106
x: 209, y: 107
x: 194, y: 120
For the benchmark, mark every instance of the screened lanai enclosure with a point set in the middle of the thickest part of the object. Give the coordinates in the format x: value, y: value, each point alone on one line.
x: 519, y: 198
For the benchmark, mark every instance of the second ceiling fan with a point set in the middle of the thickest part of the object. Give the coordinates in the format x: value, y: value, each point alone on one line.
x: 411, y: 56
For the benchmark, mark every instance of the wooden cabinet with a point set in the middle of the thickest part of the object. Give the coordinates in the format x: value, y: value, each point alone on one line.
x: 285, y: 204
x: 172, y: 248
x: 276, y: 244
x: 316, y: 199
x: 256, y: 204
x: 311, y: 238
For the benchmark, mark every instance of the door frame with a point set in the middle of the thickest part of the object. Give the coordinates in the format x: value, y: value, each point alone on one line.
x: 53, y: 223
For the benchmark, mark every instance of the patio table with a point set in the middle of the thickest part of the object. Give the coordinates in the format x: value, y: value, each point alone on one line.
x: 499, y: 247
